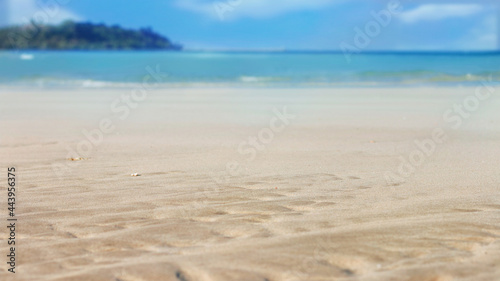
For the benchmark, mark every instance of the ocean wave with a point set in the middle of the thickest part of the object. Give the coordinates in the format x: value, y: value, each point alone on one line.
x: 26, y: 56
x: 364, y: 79
x: 258, y: 79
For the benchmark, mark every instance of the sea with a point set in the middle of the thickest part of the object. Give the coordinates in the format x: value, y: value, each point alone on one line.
x: 116, y: 69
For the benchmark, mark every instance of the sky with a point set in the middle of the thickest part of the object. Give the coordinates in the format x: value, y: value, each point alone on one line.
x: 371, y: 25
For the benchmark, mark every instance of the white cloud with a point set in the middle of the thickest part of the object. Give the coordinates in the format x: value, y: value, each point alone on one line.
x: 433, y: 12
x: 47, y: 12
x: 483, y: 36
x: 251, y: 8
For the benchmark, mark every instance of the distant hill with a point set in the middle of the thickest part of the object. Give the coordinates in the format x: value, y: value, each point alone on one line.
x: 82, y: 36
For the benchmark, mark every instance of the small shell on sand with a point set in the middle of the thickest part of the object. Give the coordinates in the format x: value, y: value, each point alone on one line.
x: 135, y: 175
x: 77, y: 159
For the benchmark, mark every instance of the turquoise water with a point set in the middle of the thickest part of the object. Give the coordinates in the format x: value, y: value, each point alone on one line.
x: 117, y: 69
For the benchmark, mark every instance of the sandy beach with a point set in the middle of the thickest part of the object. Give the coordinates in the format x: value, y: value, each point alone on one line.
x: 253, y: 184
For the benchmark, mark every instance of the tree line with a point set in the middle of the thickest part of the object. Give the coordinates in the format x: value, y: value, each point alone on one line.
x: 71, y: 35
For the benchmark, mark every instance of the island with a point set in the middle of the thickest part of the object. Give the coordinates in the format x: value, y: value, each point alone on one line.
x: 71, y: 35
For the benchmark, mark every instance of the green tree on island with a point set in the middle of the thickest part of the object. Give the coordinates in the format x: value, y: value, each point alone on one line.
x: 82, y: 36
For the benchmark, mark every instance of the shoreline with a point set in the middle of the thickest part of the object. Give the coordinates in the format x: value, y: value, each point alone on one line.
x: 94, y: 85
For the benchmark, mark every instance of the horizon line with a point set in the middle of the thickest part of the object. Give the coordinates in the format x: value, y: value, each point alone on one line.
x: 285, y: 50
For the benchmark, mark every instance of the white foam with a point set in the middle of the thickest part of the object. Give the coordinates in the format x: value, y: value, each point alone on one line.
x: 253, y: 79
x: 93, y: 84
x: 26, y: 56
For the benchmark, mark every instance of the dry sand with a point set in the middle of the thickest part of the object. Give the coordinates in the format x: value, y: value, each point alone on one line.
x: 314, y: 204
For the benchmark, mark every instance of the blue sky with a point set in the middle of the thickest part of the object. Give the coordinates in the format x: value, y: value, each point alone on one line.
x: 290, y: 24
